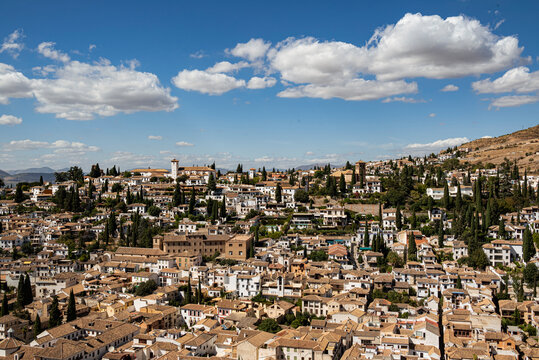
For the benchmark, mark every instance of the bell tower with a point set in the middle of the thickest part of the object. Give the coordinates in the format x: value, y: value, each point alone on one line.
x: 174, y: 169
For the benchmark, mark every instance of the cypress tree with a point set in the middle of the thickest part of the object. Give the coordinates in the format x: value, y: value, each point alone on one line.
x: 223, y: 209
x: 199, y: 292
x: 41, y: 180
x: 55, y: 317
x: 176, y: 198
x: 366, y: 239
x: 192, y: 203
x: 20, y: 293
x: 412, y: 250
x: 5, y: 305
x: 446, y: 195
x: 188, y: 297
x: 71, y: 307
x: 441, y: 235
x: 19, y: 196
x: 28, y: 295
x: 342, y: 184
x: 528, y: 248
x: 37, y: 326
x: 278, y: 194
x: 398, y: 220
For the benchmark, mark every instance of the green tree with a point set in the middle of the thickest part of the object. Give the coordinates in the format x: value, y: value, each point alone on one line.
x: 37, y: 326
x: 446, y: 196
x: 212, y: 185
x: 28, y: 295
x: 398, y: 220
x: 459, y: 282
x: 19, y: 196
x: 278, y: 193
x: 5, y: 305
x: 55, y: 317
x: 366, y: 239
x: 21, y: 301
x: 71, y: 307
x: 146, y: 288
x: 269, y: 325
x: 342, y: 185
x: 528, y: 247
x: 192, y: 203
x: 412, y: 250
x: 301, y: 196
x: 177, y: 196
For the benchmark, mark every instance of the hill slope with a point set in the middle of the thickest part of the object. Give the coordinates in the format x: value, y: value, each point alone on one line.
x: 522, y: 146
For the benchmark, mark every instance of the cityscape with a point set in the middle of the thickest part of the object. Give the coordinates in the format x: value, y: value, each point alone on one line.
x: 269, y: 181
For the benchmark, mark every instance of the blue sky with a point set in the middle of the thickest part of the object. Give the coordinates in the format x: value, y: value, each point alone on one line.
x: 276, y: 84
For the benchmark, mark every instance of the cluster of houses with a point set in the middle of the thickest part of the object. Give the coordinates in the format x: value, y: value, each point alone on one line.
x: 298, y: 296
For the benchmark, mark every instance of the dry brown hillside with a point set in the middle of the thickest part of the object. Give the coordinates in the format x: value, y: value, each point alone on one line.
x: 522, y: 146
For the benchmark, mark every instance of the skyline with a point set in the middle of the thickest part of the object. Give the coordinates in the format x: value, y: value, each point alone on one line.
x: 216, y: 82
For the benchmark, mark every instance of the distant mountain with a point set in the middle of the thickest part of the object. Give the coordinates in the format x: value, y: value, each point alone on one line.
x: 3, y: 173
x: 309, y: 167
x: 522, y: 146
x: 27, y: 177
x: 41, y: 170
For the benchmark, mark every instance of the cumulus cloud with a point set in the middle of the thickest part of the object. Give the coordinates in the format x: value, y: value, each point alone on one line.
x: 449, y: 88
x: 261, y: 82
x: 252, y: 50
x: 197, y: 55
x: 416, y: 46
x: 205, y: 82
x: 13, y: 84
x: 513, y: 100
x: 80, y: 91
x: 59, y: 146
x: 10, y: 120
x: 155, y: 137
x: 184, y: 144
x: 355, y: 89
x: 47, y: 49
x: 404, y: 99
x: 437, y: 48
x: 225, y: 67
x: 12, y: 44
x: 519, y: 80
x: 434, y: 146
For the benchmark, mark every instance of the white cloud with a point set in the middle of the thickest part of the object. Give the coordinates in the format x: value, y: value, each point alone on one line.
x: 432, y: 115
x: 309, y: 153
x: 10, y: 120
x: 155, y: 137
x: 356, y: 89
x: 498, y: 24
x: 184, y: 144
x: 513, y: 100
x: 13, y: 84
x: 126, y: 158
x: 416, y: 46
x: 433, y: 47
x: 434, y: 146
x: 79, y: 91
x: 59, y: 146
x: 207, y: 83
x: 47, y: 49
x: 197, y: 55
x: 91, y: 47
x: 12, y: 44
x: 252, y: 50
x: 225, y: 66
x: 519, y: 80
x: 261, y: 82
x: 44, y: 70
x: 404, y: 99
x: 449, y: 88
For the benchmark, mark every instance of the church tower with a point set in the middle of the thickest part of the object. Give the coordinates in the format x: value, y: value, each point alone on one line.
x: 174, y: 169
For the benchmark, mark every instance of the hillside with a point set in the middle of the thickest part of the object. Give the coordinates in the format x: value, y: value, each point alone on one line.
x: 522, y: 146
x: 26, y: 177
